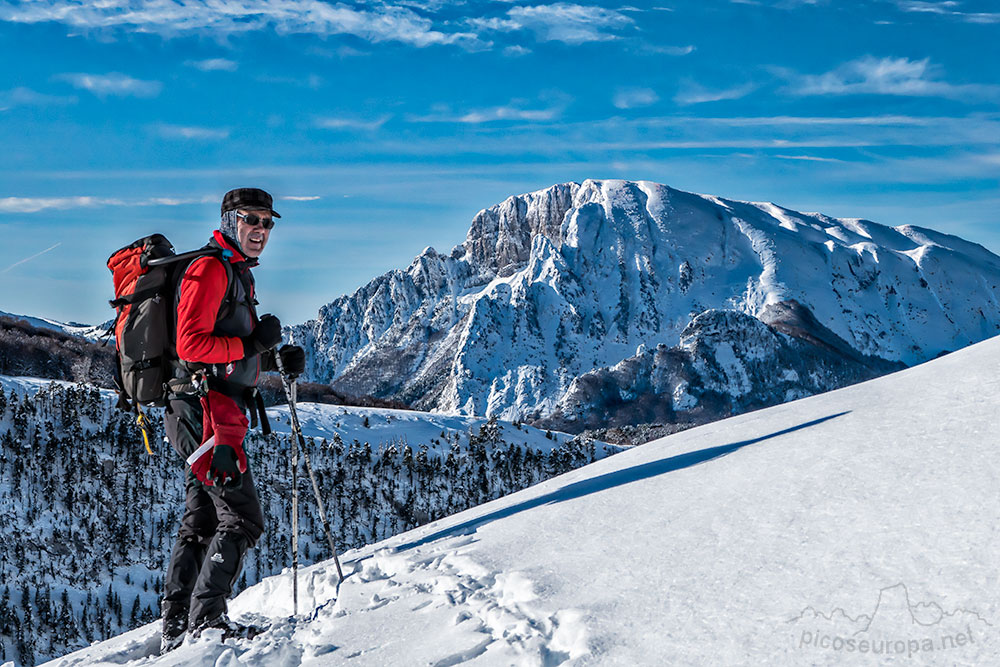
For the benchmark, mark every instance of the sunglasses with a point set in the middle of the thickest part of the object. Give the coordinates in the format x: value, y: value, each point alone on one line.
x: 253, y: 220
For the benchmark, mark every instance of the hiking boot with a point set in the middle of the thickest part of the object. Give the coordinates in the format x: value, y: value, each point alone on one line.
x: 174, y: 629
x: 230, y: 628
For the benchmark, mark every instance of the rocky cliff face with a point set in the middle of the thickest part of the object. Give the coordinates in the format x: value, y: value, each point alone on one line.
x: 582, y: 285
x: 727, y: 362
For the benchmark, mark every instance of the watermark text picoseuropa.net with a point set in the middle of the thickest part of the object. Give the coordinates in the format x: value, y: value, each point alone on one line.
x: 885, y: 646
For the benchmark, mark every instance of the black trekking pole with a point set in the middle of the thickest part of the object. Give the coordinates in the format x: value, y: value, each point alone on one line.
x: 295, y: 528
x: 290, y: 391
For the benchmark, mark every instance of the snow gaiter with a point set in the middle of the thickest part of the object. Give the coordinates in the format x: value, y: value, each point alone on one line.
x: 229, y: 225
x: 219, y: 571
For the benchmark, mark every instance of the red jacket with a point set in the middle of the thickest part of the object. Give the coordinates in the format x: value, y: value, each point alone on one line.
x: 209, y: 330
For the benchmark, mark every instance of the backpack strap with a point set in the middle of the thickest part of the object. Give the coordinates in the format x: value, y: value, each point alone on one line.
x: 178, y: 277
x: 229, y: 301
x: 255, y: 406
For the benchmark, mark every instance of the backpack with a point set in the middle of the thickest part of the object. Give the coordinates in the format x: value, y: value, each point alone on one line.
x: 145, y: 275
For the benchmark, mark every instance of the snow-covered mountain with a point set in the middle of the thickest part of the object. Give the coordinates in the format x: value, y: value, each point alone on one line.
x: 89, y: 331
x: 552, y: 292
x: 89, y: 518
x: 854, y: 527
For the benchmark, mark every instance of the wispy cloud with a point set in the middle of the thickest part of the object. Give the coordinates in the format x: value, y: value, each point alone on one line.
x: 948, y: 8
x: 888, y: 76
x: 508, y: 112
x: 669, y: 50
x: 26, y: 97
x: 36, y: 204
x: 338, y: 123
x: 693, y: 93
x: 782, y: 4
x: 630, y: 98
x: 515, y: 50
x: 378, y: 23
x: 312, y: 81
x: 807, y: 158
x: 560, y: 22
x: 301, y: 198
x: 214, y: 65
x: 28, y: 259
x: 189, y: 132
x: 925, y: 7
x: 881, y: 121
x: 113, y: 83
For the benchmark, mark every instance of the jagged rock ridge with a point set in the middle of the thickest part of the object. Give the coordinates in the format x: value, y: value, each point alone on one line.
x: 555, y: 285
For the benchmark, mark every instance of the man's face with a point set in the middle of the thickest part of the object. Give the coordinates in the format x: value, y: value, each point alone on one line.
x: 253, y: 238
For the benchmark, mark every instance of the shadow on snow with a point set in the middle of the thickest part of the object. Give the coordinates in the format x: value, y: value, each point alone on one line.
x: 610, y: 480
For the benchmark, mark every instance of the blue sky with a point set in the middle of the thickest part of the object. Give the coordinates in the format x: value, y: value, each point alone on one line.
x: 383, y: 127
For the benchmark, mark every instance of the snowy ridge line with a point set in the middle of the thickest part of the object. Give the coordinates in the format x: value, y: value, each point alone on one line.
x: 92, y: 332
x: 557, y: 286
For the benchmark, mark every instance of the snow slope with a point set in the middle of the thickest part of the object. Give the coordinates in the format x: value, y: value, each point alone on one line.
x: 551, y: 285
x: 859, y: 526
x: 96, y: 525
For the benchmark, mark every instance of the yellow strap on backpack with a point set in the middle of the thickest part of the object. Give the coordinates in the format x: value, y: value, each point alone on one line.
x: 145, y: 427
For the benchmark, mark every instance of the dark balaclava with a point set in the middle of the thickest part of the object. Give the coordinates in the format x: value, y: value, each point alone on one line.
x: 228, y: 225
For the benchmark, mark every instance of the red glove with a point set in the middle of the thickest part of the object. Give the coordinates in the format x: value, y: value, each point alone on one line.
x: 220, y: 460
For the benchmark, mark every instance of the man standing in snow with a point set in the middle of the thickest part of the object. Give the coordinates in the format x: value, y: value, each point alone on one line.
x: 222, y: 347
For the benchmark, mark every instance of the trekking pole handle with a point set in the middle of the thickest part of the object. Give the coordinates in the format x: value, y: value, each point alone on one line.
x: 280, y: 364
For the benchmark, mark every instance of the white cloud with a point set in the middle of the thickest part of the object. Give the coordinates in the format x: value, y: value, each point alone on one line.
x: 313, y: 81
x: 337, y: 123
x: 947, y: 8
x: 696, y: 94
x: 508, y: 112
x: 170, y: 18
x: 113, y: 83
x: 630, y: 98
x: 189, y: 132
x: 516, y: 50
x: 669, y: 50
x: 923, y: 6
x: 26, y: 97
x: 294, y: 198
x: 881, y: 121
x: 982, y: 17
x: 807, y: 158
x: 214, y: 65
x: 36, y: 204
x: 350, y: 52
x: 560, y: 22
x: 888, y: 76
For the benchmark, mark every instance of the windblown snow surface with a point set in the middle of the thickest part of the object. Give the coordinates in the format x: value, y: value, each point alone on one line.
x: 859, y: 526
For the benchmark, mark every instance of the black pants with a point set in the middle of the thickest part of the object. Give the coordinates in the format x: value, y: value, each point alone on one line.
x: 218, y: 526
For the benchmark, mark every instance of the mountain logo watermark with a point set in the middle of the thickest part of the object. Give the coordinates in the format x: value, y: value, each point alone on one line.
x: 896, y: 626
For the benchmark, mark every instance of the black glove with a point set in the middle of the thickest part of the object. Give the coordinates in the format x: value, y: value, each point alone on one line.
x: 265, y: 335
x: 224, y: 470
x: 293, y: 358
